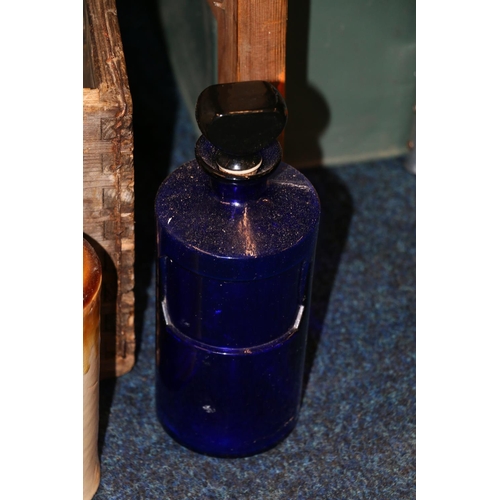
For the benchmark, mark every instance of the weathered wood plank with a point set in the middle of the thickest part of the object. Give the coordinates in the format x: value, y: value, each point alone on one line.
x: 108, y: 183
x: 251, y: 40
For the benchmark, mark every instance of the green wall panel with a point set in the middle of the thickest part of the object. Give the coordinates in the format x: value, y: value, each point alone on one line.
x: 350, y: 73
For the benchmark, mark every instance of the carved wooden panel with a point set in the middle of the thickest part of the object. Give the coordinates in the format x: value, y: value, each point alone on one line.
x: 108, y: 181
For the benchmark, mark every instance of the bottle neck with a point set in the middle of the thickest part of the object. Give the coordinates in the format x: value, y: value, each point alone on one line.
x: 240, y: 186
x: 237, y: 187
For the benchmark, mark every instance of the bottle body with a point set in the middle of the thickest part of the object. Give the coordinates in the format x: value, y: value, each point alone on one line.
x: 233, y: 277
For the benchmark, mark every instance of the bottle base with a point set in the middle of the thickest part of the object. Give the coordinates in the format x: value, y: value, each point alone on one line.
x: 226, y: 449
x: 230, y: 404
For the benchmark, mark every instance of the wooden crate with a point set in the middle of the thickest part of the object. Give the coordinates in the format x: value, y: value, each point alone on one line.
x: 108, y: 180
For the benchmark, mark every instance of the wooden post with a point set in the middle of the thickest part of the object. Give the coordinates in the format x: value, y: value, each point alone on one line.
x: 251, y: 40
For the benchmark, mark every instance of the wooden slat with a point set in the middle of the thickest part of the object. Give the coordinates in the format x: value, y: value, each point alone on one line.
x: 251, y: 40
x: 109, y: 183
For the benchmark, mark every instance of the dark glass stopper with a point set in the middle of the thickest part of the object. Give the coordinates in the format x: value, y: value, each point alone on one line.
x: 241, y: 118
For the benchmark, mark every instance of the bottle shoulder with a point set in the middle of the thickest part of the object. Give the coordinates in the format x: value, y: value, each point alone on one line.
x: 189, y: 211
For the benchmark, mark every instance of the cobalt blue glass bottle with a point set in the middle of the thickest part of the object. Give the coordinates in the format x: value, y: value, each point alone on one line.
x: 237, y: 230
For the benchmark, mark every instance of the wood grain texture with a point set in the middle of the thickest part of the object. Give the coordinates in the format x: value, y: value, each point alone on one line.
x: 251, y: 40
x: 108, y: 183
